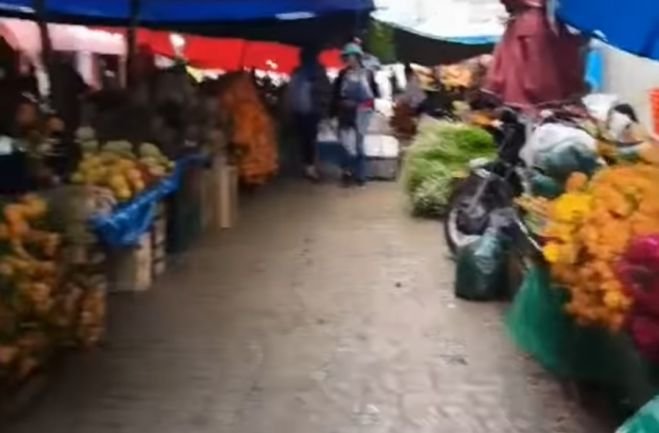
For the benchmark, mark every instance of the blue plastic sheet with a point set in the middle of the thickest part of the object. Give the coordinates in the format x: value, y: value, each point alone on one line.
x: 125, y: 226
x: 631, y: 25
x: 473, y: 40
x: 187, y: 11
x: 595, y: 70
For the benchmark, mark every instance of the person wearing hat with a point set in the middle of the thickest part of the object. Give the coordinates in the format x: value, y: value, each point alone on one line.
x: 355, y: 91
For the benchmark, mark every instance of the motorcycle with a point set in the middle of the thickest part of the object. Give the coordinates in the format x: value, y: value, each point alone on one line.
x: 490, y: 185
x: 495, y: 184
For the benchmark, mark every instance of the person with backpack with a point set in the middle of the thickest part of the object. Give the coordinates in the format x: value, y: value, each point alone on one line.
x: 309, y: 97
x: 355, y: 91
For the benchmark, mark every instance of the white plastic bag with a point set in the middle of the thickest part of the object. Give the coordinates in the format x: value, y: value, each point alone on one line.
x: 327, y: 132
x: 381, y: 146
x: 348, y: 137
x: 552, y: 136
x: 599, y: 104
x: 378, y: 124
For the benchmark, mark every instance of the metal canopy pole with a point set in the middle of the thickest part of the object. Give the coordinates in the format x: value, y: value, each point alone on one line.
x: 131, y: 41
x: 46, y: 45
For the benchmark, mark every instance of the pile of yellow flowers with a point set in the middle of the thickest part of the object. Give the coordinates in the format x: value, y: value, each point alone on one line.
x: 588, y: 229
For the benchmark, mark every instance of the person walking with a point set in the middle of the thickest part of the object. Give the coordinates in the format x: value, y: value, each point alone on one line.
x: 309, y: 98
x: 355, y: 91
x: 413, y: 95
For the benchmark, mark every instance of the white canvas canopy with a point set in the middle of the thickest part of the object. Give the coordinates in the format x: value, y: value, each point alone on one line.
x: 466, y: 21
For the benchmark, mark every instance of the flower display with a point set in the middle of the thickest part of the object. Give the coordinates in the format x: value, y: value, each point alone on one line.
x: 589, y: 229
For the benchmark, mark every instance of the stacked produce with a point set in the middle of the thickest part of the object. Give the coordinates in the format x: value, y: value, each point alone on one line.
x: 116, y: 166
x: 44, y: 302
x: 440, y: 153
x: 456, y: 76
x: 403, y: 121
x: 252, y: 130
x: 590, y: 227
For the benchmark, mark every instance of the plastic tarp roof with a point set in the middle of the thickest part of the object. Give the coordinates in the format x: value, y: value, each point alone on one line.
x: 201, y: 52
x: 632, y: 25
x: 432, y: 32
x: 468, y: 22
x: 297, y: 22
x: 413, y: 48
x: 24, y: 35
x: 187, y: 11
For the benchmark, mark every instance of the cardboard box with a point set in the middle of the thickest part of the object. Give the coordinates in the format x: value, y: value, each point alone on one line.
x: 228, y: 193
x: 159, y: 230
x: 130, y: 269
x: 159, y: 267
x: 220, y: 195
x: 209, y: 198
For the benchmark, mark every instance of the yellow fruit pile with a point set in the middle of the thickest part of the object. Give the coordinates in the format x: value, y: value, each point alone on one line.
x: 42, y: 305
x: 590, y: 227
x: 29, y: 273
x: 118, y: 168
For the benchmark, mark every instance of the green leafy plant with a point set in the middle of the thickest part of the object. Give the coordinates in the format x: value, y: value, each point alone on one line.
x: 380, y: 41
x: 439, y: 153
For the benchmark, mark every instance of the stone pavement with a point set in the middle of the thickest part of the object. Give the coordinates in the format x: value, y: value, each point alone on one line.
x: 325, y: 311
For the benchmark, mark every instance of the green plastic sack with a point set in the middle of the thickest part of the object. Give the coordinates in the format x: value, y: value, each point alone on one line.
x: 481, y: 267
x: 646, y: 420
x: 560, y: 162
x: 537, y: 323
x: 629, y: 153
x: 545, y: 186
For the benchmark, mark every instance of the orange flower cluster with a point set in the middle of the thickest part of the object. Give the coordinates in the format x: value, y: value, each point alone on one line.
x: 253, y: 131
x: 590, y: 227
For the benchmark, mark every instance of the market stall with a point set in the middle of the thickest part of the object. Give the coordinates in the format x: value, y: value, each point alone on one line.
x: 587, y: 309
x: 105, y: 183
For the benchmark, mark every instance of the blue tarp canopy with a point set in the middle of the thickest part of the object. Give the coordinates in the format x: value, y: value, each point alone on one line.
x: 632, y: 25
x: 161, y: 12
x: 299, y: 22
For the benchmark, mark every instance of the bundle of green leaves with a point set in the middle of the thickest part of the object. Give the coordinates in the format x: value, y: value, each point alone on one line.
x: 440, y: 152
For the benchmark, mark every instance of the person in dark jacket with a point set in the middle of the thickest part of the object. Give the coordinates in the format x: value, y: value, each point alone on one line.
x: 309, y: 95
x: 355, y: 91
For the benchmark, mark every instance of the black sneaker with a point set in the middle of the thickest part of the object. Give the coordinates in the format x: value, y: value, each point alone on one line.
x: 347, y: 180
x: 311, y: 174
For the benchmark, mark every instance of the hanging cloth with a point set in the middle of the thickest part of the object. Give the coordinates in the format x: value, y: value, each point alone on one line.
x: 537, y: 61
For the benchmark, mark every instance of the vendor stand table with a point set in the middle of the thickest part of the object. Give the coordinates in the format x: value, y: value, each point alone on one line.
x: 537, y: 323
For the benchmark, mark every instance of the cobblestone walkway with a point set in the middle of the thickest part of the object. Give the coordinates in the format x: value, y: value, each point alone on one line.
x: 325, y: 311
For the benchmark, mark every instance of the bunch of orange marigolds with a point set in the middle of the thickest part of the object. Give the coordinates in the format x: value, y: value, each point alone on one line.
x: 589, y: 227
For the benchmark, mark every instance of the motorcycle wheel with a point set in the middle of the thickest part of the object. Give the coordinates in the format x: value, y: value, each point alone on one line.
x: 461, y: 198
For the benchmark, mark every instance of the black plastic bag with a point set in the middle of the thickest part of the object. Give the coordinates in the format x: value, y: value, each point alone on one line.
x: 481, y: 265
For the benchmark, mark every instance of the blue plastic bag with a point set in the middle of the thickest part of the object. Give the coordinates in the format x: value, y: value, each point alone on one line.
x: 646, y: 420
